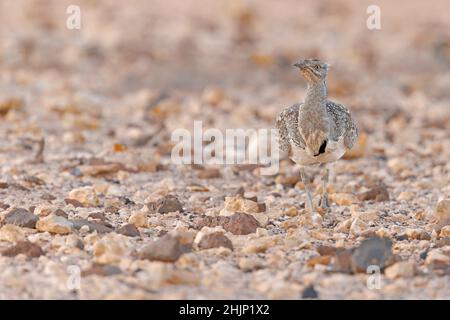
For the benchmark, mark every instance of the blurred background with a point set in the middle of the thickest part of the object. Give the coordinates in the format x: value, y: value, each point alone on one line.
x: 233, y: 57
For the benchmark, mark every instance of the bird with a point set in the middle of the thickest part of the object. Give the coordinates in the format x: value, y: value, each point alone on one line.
x: 316, y: 131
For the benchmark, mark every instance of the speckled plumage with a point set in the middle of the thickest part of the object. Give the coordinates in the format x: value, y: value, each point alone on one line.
x: 316, y: 131
x: 342, y: 126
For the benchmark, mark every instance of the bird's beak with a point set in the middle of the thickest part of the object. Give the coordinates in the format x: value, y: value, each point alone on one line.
x: 300, y: 64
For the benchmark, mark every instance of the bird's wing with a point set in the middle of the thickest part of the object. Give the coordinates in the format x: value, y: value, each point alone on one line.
x: 342, y: 123
x: 287, y: 124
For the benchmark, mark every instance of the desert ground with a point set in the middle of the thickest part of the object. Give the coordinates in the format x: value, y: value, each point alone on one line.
x: 92, y: 205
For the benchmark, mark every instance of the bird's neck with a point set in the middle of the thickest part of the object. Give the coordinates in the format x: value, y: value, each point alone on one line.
x: 316, y: 96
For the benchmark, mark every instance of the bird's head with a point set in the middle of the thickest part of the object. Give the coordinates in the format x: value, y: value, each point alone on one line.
x: 313, y: 70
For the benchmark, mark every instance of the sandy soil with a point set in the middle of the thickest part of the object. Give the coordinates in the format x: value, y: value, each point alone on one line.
x: 92, y: 207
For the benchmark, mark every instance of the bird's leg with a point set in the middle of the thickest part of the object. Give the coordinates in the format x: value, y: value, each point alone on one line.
x: 314, y: 215
x: 324, y: 204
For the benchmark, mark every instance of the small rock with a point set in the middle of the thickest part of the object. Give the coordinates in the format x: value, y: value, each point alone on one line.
x: 445, y: 232
x: 73, y: 202
x: 43, y: 210
x: 403, y: 269
x: 366, y: 216
x: 289, y: 181
x: 27, y: 248
x: 382, y: 233
x: 73, y: 241
x: 322, y: 260
x: 4, y: 206
x: 405, y: 196
x: 238, y: 223
x: 91, y: 226
x: 372, y: 251
x: 377, y: 193
x: 85, y: 195
x: 21, y: 218
x: 238, y: 204
x: 54, y: 224
x: 215, y: 240
x: 166, y: 249
x: 48, y: 197
x: 250, y: 264
x: 166, y: 204
x: 443, y: 213
x: 11, y: 233
x: 129, y: 230
x: 61, y: 213
x: 139, y: 219
x: 310, y: 293
x: 436, y: 259
x: 417, y: 234
x: 397, y: 165
x: 209, y: 174
x: 343, y: 199
x: 111, y: 249
x: 101, y: 270
x: 97, y: 215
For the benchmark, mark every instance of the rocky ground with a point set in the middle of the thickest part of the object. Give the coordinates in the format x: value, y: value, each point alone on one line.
x: 92, y: 207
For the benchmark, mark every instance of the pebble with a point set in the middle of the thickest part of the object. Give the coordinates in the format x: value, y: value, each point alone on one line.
x: 11, y: 233
x: 129, y: 230
x: 139, y: 219
x: 101, y: 270
x: 310, y: 293
x: 167, y: 249
x: 166, y: 204
x: 443, y: 213
x: 89, y: 226
x: 343, y: 199
x: 209, y: 174
x: 445, y: 232
x: 403, y: 269
x: 215, y: 240
x: 238, y: 223
x: 111, y: 249
x: 86, y: 196
x: 405, y: 196
x: 54, y: 224
x: 417, y: 234
x: 372, y: 251
x: 21, y: 218
x: 44, y: 210
x: 27, y: 248
x: 378, y: 193
x: 239, y: 204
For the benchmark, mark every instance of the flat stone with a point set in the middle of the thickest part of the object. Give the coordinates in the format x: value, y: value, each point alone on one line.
x: 238, y: 223
x: 54, y: 224
x: 166, y: 249
x: 27, y: 248
x: 129, y: 230
x: 215, y: 240
x: 92, y: 225
x: 166, y: 204
x: 21, y: 218
x: 378, y: 193
x: 372, y: 251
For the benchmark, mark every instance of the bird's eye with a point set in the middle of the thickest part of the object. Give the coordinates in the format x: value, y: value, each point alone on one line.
x: 317, y: 67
